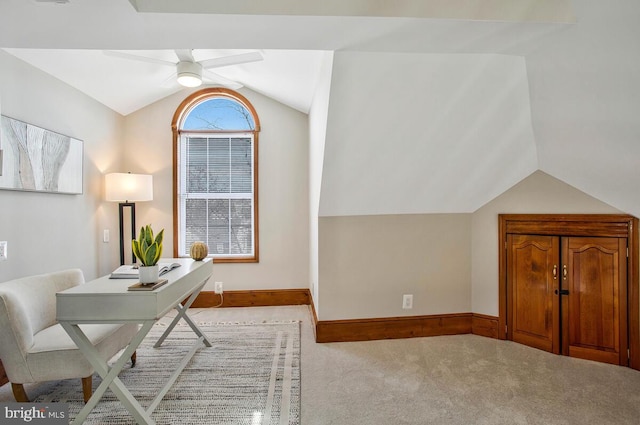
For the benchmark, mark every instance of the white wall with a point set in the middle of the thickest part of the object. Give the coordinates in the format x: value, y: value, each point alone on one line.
x: 367, y: 263
x: 47, y: 232
x: 496, y: 10
x: 449, y: 262
x: 539, y: 193
x: 585, y: 100
x: 454, y: 138
x: 317, y: 133
x: 424, y: 133
x: 283, y: 189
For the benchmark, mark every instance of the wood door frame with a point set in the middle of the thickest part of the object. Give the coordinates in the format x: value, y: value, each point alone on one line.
x: 606, y: 225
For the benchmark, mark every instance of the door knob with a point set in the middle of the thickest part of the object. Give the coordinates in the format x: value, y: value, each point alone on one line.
x: 564, y: 272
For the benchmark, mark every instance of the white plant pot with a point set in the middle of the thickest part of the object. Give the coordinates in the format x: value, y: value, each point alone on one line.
x: 149, y: 274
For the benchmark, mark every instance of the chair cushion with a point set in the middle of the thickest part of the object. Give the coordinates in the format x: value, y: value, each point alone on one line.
x: 54, y: 355
x: 27, y: 306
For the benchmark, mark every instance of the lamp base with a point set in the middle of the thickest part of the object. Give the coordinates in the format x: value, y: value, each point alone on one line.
x: 122, y: 206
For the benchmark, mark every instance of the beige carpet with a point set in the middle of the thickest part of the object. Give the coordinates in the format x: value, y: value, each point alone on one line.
x: 463, y: 379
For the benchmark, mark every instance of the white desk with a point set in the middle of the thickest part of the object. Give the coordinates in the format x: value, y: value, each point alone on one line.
x: 107, y: 300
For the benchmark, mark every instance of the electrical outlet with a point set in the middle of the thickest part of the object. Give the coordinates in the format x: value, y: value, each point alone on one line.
x: 217, y: 287
x: 3, y: 250
x: 407, y: 301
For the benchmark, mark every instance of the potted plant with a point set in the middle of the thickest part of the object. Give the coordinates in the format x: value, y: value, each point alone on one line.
x: 148, y: 250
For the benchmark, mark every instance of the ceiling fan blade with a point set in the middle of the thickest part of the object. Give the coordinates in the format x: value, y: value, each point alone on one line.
x: 184, y: 55
x: 169, y: 82
x: 232, y: 60
x: 219, y: 79
x: 130, y: 56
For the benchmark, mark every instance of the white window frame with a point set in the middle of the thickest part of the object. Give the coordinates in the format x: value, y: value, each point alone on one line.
x: 179, y: 117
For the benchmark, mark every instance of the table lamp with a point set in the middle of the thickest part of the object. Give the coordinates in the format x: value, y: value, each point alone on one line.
x: 127, y: 189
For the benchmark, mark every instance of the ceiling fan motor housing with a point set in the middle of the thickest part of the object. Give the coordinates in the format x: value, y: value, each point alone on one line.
x: 189, y: 74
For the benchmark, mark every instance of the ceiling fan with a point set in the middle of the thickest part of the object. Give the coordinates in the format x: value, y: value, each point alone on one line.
x: 190, y: 72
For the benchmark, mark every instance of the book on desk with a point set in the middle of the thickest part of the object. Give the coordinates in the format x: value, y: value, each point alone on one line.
x: 147, y: 286
x: 129, y: 271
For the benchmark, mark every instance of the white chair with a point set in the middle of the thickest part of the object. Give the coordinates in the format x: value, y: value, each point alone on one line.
x: 35, y: 348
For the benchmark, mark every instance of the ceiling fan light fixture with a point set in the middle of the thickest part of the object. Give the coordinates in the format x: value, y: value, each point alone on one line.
x: 189, y: 80
x: 189, y: 74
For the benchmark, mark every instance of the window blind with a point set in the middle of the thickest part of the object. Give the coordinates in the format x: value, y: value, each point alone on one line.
x: 217, y: 193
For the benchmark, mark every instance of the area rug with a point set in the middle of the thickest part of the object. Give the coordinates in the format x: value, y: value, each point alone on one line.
x: 250, y: 375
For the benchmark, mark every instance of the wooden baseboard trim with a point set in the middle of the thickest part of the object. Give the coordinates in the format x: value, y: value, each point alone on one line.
x: 484, y: 325
x: 258, y: 298
x: 392, y: 327
x: 404, y: 327
x: 314, y: 318
x: 357, y: 329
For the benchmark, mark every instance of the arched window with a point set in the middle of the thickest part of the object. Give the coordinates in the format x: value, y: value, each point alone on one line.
x: 215, y: 138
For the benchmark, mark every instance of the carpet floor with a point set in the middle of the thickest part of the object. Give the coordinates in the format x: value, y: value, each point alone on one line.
x: 452, y: 380
x: 251, y: 375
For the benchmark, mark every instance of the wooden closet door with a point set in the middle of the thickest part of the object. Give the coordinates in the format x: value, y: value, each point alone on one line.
x: 531, y: 261
x: 595, y: 310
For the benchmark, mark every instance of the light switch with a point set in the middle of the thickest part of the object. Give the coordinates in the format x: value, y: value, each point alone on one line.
x: 3, y: 250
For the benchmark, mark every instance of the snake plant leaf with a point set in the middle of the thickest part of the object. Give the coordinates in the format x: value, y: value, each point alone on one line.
x: 150, y: 255
x: 135, y: 246
x: 141, y: 235
x: 147, y: 248
x: 159, y: 237
x: 148, y: 236
x: 158, y: 253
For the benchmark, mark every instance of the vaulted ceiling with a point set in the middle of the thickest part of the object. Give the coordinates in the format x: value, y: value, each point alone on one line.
x: 553, y: 85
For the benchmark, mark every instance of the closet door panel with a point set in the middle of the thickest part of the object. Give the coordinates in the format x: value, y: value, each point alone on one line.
x: 531, y: 262
x: 595, y: 316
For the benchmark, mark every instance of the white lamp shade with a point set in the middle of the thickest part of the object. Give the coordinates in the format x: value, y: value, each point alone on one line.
x: 127, y: 187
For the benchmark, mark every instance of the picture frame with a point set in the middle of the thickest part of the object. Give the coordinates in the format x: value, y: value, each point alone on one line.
x: 39, y: 160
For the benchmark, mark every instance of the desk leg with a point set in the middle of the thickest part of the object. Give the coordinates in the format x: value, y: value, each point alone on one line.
x: 174, y: 376
x: 182, y: 314
x: 110, y: 376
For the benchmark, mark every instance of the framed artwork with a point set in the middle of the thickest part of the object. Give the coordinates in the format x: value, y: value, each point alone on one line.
x: 39, y: 160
